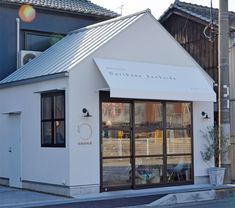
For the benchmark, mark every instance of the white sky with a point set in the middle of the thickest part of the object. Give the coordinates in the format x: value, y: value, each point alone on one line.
x: 157, y: 6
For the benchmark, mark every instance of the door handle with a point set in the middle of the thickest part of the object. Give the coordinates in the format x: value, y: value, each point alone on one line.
x: 10, y: 150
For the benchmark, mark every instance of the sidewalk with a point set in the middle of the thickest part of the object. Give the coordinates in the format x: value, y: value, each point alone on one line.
x: 10, y: 197
x: 18, y: 198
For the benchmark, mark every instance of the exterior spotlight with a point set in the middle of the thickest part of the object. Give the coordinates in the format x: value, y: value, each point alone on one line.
x: 86, y: 113
x: 205, y: 115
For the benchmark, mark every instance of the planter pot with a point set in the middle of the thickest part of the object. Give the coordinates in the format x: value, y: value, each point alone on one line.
x: 216, y: 176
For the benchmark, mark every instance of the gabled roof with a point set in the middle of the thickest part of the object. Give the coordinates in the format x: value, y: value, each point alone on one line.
x: 83, y: 7
x: 196, y: 11
x: 68, y: 52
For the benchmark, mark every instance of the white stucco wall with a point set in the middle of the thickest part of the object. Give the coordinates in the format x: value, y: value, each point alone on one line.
x: 200, y: 125
x: 147, y: 41
x: 134, y: 44
x: 46, y: 165
x: 84, y: 159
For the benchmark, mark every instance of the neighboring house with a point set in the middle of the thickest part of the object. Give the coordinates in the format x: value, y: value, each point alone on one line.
x: 54, y: 19
x: 186, y: 23
x: 115, y: 105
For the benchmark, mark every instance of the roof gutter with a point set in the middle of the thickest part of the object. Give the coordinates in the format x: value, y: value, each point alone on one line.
x: 33, y: 80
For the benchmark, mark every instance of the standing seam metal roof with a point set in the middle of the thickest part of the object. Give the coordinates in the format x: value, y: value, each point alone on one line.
x: 77, y: 6
x: 69, y: 51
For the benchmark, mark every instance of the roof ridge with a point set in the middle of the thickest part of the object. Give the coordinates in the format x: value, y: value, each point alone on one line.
x: 82, y: 7
x: 109, y: 21
x: 89, y: 1
x: 196, y: 5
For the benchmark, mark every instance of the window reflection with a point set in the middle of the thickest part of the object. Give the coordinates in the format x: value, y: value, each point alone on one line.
x: 179, y: 168
x: 149, y: 142
x: 59, y: 107
x: 178, y: 141
x: 40, y: 41
x: 148, y: 114
x: 148, y: 170
x: 115, y: 143
x: 178, y: 115
x: 116, y: 172
x: 46, y: 108
x: 115, y: 114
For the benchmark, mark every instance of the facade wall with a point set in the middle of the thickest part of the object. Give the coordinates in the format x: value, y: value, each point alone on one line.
x: 43, y: 165
x: 150, y: 45
x: 51, y: 22
x: 78, y: 165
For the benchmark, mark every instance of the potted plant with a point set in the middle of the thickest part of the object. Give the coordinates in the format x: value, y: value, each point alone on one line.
x: 213, y: 149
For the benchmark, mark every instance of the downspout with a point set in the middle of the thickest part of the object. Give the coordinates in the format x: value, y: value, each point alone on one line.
x: 18, y: 43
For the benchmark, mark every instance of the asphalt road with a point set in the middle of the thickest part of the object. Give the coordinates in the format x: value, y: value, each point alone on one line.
x: 111, y: 203
x: 136, y: 202
x: 225, y: 203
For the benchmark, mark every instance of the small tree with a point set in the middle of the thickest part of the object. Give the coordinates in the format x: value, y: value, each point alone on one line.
x: 214, y: 146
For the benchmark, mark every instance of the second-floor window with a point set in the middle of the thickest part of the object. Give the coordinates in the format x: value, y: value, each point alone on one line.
x: 35, y: 41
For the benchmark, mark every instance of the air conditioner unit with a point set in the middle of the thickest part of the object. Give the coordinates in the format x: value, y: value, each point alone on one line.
x: 26, y: 56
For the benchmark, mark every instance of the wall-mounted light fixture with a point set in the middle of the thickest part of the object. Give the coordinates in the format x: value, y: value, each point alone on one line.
x: 205, y: 115
x: 86, y: 113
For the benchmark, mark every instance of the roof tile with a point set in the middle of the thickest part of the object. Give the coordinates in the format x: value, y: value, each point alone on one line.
x: 199, y: 11
x: 79, y: 6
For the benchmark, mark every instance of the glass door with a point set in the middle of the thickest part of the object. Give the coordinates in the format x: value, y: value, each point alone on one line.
x: 148, y: 139
x: 116, y: 166
x: 179, y: 142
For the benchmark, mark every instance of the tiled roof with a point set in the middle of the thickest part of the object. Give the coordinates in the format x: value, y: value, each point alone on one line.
x: 198, y: 11
x: 77, y: 6
x: 72, y: 49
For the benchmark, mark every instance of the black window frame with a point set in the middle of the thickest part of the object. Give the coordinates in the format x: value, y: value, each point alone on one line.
x: 26, y: 33
x: 105, y: 97
x: 53, y: 120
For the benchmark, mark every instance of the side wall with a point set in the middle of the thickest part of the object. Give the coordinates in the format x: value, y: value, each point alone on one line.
x: 41, y: 165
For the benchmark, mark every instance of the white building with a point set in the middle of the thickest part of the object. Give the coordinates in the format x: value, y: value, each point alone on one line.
x: 116, y: 105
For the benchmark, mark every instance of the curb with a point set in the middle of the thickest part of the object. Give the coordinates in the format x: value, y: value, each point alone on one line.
x: 189, y: 197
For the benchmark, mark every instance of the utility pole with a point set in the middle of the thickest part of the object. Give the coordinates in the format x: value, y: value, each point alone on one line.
x: 224, y: 85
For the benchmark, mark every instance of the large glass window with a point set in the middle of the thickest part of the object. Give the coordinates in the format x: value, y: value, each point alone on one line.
x: 145, y: 143
x: 53, y: 119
